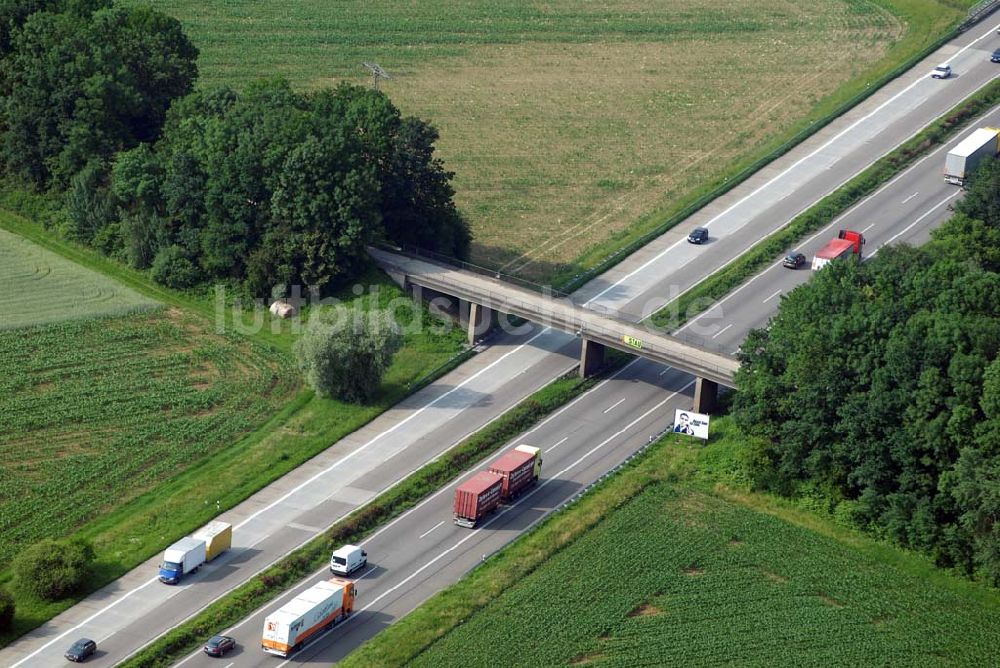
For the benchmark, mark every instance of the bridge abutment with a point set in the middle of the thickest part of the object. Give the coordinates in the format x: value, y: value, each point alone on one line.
x: 706, y: 395
x: 479, y: 319
x: 591, y: 358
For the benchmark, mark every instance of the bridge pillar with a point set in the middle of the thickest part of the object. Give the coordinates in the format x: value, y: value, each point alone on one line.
x: 706, y: 392
x: 591, y: 358
x: 481, y: 319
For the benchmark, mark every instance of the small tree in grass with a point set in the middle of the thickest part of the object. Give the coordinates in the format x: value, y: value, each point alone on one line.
x: 52, y: 569
x: 347, y: 361
x: 6, y: 610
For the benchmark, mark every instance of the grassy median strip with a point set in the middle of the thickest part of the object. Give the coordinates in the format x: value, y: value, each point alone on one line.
x: 721, y: 283
x: 310, y: 558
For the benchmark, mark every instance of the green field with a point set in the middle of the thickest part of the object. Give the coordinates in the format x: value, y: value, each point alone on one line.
x: 572, y: 127
x: 682, y: 577
x: 42, y: 287
x: 98, y: 411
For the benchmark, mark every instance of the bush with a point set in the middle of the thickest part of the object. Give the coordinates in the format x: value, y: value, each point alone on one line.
x: 52, y: 570
x: 6, y: 610
x: 347, y: 361
x: 174, y: 269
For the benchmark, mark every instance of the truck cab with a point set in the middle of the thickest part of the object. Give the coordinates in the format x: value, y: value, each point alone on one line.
x: 347, y: 559
x: 183, y: 557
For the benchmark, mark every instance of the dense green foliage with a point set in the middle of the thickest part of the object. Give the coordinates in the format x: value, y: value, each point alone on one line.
x: 7, y: 609
x: 877, y: 389
x: 678, y: 576
x: 98, y: 411
x: 52, y: 569
x: 348, y: 359
x: 82, y: 80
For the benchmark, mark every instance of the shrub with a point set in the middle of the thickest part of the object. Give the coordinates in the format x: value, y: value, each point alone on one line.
x: 52, y: 570
x: 174, y: 269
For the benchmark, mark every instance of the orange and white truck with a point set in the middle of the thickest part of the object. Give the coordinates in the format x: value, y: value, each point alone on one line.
x: 848, y: 243
x: 315, y: 610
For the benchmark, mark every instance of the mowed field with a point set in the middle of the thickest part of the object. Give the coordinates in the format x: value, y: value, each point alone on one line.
x: 97, y: 411
x: 682, y: 577
x: 569, y: 125
x: 42, y: 287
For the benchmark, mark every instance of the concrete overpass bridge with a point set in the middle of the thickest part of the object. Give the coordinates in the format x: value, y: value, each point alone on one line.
x: 482, y: 297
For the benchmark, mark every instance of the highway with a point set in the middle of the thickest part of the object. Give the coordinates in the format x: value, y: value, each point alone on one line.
x: 423, y: 551
x: 132, y: 611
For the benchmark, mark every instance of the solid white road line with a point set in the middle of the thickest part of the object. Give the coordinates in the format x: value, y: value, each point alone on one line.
x: 776, y: 293
x: 615, y: 405
x: 722, y: 330
x: 783, y: 174
x: 431, y: 529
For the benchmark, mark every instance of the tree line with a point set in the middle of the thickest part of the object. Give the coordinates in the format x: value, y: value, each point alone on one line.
x: 876, y: 390
x: 261, y: 188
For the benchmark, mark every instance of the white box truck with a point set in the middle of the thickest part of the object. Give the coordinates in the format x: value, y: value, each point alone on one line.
x: 310, y: 613
x: 183, y: 557
x: 962, y: 160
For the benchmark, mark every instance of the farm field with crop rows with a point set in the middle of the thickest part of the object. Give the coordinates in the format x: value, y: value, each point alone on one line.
x: 679, y: 576
x: 573, y: 126
x: 98, y: 411
x: 42, y: 287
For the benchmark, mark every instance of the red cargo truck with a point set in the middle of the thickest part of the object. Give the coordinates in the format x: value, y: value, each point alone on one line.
x: 846, y: 244
x: 476, y: 498
x: 519, y: 469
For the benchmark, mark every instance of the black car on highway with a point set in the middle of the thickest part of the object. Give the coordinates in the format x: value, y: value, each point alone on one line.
x: 81, y: 650
x: 794, y: 260
x: 995, y: 58
x: 699, y: 235
x: 219, y: 645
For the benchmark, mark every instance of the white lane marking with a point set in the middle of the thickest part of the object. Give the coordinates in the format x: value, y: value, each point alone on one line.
x: 431, y: 529
x: 776, y: 293
x: 556, y: 445
x: 664, y: 371
x: 910, y: 226
x: 614, y: 406
x: 104, y: 639
x: 233, y: 663
x: 783, y: 174
x: 303, y: 527
x: 293, y: 491
x: 722, y: 330
x: 910, y: 197
x: 868, y: 228
x: 362, y: 576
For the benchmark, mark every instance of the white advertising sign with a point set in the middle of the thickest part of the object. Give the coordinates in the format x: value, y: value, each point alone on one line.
x: 693, y: 424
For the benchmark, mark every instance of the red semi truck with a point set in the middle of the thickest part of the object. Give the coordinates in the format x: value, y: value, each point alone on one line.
x: 846, y: 244
x: 519, y: 469
x: 476, y: 498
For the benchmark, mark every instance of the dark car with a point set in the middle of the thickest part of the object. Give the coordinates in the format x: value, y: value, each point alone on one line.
x: 699, y: 235
x: 219, y: 645
x: 995, y: 58
x: 81, y: 650
x: 794, y: 260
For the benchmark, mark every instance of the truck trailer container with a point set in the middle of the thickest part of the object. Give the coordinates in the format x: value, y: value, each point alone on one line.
x: 313, y: 611
x: 476, y: 498
x: 962, y: 160
x: 846, y: 244
x: 218, y: 537
x: 519, y: 469
x: 183, y: 557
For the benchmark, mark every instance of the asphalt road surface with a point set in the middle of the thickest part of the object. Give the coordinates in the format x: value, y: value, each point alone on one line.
x: 423, y: 551
x: 129, y: 613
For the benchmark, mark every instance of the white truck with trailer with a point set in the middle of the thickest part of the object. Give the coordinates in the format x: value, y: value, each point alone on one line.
x: 188, y: 554
x: 315, y: 610
x: 962, y: 160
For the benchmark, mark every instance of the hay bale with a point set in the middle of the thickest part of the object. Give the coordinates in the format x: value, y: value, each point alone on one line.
x: 283, y: 309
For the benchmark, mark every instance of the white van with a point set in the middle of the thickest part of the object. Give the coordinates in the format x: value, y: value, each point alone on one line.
x: 347, y: 559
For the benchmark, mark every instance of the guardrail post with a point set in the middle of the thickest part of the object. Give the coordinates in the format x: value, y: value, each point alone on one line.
x: 591, y: 358
x: 706, y: 394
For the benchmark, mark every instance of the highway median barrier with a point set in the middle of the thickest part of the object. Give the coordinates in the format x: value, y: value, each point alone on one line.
x: 314, y: 555
x: 703, y: 295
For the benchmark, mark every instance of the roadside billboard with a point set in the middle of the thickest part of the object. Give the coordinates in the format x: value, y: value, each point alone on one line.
x: 693, y: 424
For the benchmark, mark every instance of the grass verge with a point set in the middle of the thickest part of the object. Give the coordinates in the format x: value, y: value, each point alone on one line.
x: 771, y: 248
x: 353, y: 528
x: 700, y: 548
